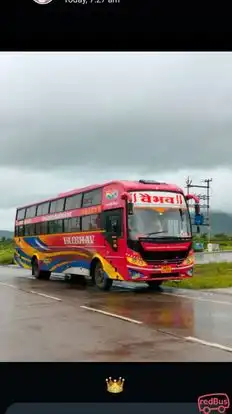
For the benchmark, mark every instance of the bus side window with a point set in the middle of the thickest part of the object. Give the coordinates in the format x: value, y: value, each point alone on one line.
x: 41, y: 228
x: 20, y: 231
x: 55, y: 226
x: 112, y: 221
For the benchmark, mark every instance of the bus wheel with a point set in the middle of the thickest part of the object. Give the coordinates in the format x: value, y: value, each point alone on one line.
x: 102, y: 282
x: 39, y: 274
x: 154, y: 284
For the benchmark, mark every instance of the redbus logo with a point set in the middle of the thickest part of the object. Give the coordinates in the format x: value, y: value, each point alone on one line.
x: 213, y: 402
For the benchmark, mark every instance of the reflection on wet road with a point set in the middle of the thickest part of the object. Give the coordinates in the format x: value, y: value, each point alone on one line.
x: 55, y: 312
x: 179, y: 315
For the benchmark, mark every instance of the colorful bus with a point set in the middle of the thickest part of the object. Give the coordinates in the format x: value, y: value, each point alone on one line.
x: 121, y: 230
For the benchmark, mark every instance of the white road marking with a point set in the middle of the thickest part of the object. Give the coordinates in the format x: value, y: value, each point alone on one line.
x: 187, y: 338
x: 210, y: 344
x: 6, y: 284
x: 44, y: 295
x: 31, y: 291
x: 221, y: 302
x: 113, y: 315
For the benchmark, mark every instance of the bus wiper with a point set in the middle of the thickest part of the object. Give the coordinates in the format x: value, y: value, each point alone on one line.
x: 156, y: 232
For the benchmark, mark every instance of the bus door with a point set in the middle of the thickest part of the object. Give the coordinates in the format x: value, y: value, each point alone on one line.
x: 114, y: 238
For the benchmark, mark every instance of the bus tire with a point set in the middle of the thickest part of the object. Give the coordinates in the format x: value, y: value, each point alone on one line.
x: 154, y: 284
x: 39, y: 274
x: 99, y: 279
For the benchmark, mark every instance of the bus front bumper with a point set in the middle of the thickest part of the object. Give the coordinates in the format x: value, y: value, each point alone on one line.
x: 140, y: 274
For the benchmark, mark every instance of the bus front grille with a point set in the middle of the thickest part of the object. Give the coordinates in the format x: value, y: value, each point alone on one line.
x: 164, y: 257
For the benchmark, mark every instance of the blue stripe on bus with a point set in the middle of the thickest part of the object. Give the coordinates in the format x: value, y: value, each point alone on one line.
x: 25, y: 261
x: 22, y: 253
x: 32, y: 241
x: 63, y: 258
x: 66, y: 266
x: 20, y: 261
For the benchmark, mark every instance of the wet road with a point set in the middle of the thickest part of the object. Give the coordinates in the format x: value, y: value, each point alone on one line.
x: 58, y: 321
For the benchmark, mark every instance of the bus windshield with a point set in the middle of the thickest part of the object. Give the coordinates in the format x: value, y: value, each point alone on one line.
x: 152, y: 223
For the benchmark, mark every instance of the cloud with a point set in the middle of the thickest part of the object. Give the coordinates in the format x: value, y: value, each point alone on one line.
x: 154, y: 111
x: 72, y: 119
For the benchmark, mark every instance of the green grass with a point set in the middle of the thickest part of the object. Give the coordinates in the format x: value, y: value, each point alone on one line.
x: 228, y: 247
x: 207, y: 276
x: 6, y: 257
x: 6, y: 252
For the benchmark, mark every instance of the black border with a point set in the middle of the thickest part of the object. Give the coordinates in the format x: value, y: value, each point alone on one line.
x: 145, y: 25
x: 85, y: 382
x: 137, y: 25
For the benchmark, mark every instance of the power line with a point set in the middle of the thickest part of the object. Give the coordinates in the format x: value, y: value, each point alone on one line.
x: 204, y: 201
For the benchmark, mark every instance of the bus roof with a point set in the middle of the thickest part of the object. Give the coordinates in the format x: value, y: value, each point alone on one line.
x: 128, y: 186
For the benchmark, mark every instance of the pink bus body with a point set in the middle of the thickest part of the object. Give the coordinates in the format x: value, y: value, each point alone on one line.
x: 121, y: 230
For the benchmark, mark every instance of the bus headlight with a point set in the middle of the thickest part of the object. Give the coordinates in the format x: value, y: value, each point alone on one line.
x: 190, y: 260
x: 136, y: 260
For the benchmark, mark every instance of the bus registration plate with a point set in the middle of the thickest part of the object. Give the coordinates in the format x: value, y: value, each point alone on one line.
x: 166, y: 269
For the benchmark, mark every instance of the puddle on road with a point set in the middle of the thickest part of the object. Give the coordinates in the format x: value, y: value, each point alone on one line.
x: 174, y: 314
x: 183, y: 317
x: 156, y: 310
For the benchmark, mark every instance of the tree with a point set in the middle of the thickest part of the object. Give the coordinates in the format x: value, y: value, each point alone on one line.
x: 221, y: 236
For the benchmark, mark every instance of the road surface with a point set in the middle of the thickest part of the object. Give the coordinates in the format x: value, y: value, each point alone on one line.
x: 58, y: 321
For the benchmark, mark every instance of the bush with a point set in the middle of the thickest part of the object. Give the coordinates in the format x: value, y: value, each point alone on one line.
x: 6, y: 256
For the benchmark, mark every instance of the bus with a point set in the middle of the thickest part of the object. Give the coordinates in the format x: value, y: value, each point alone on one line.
x: 133, y: 231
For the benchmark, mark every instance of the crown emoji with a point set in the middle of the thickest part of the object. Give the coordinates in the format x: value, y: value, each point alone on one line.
x: 115, y: 386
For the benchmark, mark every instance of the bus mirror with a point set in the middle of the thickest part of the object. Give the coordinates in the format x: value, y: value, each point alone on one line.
x: 192, y: 197
x: 124, y: 196
x: 130, y: 208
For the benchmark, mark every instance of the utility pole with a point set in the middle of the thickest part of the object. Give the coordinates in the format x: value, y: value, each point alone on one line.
x: 205, y: 198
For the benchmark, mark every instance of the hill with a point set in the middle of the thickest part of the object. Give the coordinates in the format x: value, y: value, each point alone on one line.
x: 7, y: 234
x: 221, y: 223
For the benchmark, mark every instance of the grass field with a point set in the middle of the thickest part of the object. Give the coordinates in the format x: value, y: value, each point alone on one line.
x: 207, y: 276
x: 6, y: 252
x: 228, y: 247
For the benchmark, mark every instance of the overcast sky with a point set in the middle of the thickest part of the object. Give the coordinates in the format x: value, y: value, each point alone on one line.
x: 73, y: 119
